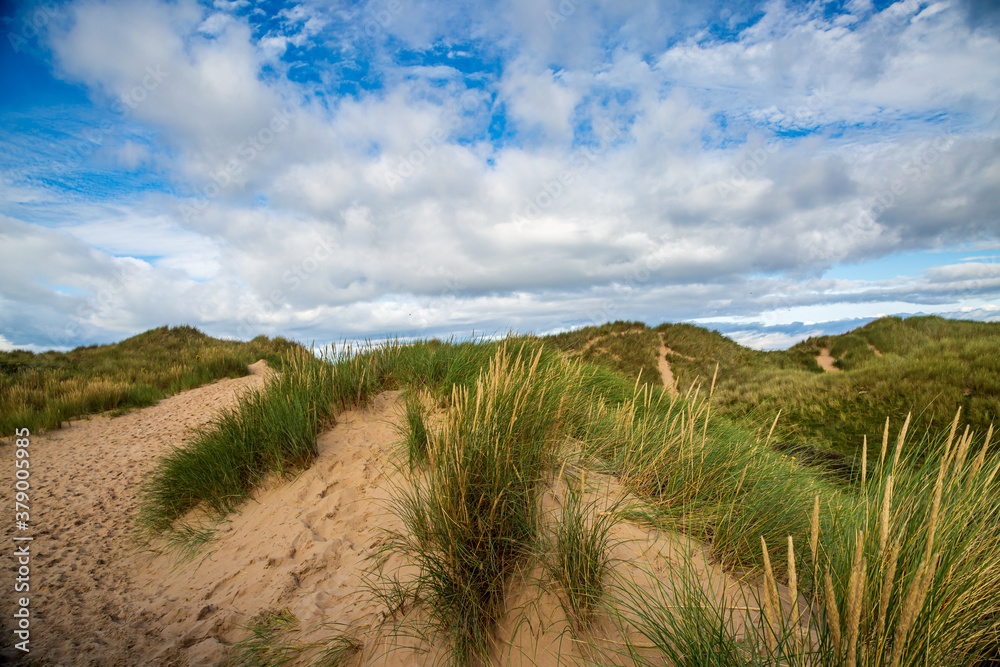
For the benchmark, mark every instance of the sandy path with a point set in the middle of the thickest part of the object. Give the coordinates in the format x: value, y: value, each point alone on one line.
x: 85, y: 480
x: 826, y: 361
x: 664, y: 366
x: 668, y: 375
x: 304, y: 544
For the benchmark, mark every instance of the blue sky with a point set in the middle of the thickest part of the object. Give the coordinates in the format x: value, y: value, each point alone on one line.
x: 331, y: 170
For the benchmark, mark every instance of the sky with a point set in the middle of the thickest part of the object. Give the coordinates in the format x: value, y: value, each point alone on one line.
x: 343, y: 170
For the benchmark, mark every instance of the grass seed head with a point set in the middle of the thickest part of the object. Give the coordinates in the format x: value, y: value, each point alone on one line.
x: 832, y: 612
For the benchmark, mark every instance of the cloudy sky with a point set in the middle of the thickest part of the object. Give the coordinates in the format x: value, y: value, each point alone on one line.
x: 332, y: 170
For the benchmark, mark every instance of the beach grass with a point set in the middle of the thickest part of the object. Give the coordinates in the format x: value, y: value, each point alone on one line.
x: 927, y: 367
x: 894, y: 564
x: 579, y: 556
x: 472, y: 518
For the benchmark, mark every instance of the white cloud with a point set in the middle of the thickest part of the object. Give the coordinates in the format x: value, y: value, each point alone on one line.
x: 203, y: 92
x: 131, y: 155
x: 543, y: 99
x: 215, y: 24
x: 704, y: 203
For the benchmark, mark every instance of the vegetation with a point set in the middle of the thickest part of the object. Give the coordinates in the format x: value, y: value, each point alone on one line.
x: 924, y: 366
x: 415, y: 432
x: 272, y: 641
x: 473, y: 518
x: 42, y: 391
x: 875, y: 549
x: 893, y: 565
x: 627, y: 347
x: 579, y: 559
x: 268, y: 431
x: 927, y: 366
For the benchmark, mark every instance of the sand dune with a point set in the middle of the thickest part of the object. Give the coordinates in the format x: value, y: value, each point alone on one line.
x: 305, y: 544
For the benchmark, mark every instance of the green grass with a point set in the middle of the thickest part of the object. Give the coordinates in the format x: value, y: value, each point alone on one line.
x: 627, y: 347
x: 679, y: 622
x: 266, y: 644
x: 415, y: 430
x: 579, y: 558
x: 927, y: 366
x: 473, y: 518
x: 270, y: 431
x: 43, y: 391
x: 907, y: 575
x: 914, y: 575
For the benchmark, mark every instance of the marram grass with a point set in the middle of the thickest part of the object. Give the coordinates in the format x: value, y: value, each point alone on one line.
x: 897, y: 567
x: 579, y: 558
x: 269, y: 431
x: 472, y: 517
x: 272, y: 640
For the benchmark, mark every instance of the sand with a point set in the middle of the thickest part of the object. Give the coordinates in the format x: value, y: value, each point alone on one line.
x: 826, y: 361
x: 307, y: 545
x: 665, y: 372
x: 85, y: 480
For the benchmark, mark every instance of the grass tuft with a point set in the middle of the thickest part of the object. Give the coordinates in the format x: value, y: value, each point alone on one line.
x: 417, y: 437
x: 580, y: 560
x: 272, y: 641
x: 472, y: 520
x: 267, y: 644
x: 271, y: 430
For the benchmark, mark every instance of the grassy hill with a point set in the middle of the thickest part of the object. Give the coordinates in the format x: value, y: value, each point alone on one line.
x: 891, y: 367
x: 41, y: 391
x: 901, y: 558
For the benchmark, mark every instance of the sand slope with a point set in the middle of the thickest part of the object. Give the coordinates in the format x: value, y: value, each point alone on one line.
x: 299, y: 544
x: 305, y: 544
x: 85, y: 480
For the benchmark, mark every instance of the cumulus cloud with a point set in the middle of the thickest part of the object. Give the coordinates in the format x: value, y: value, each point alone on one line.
x: 429, y: 168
